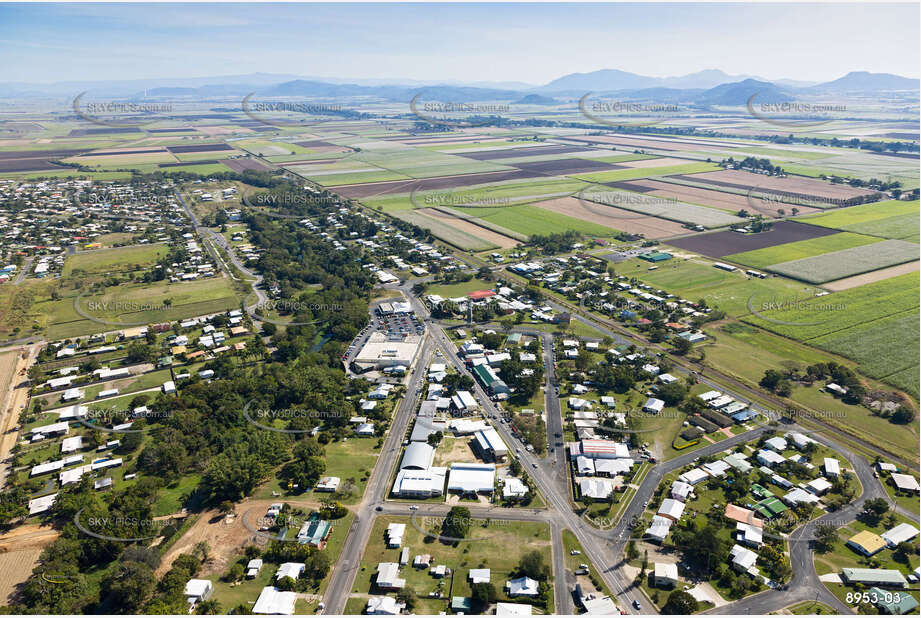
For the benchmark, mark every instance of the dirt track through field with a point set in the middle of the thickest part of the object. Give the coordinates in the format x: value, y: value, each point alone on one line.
x: 619, y: 219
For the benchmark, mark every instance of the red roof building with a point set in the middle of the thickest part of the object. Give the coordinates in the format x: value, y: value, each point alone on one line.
x: 480, y: 294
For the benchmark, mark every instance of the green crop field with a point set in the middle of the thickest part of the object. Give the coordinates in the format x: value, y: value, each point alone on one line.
x: 816, y: 317
x: 121, y: 259
x: 530, y: 220
x: 649, y: 172
x: 871, y: 344
x: 848, y: 262
x: 875, y: 325
x: 890, y: 219
x: 762, y: 258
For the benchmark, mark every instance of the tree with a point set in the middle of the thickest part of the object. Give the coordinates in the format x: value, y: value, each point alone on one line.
x: 209, y: 606
x: 483, y: 594
x: 457, y: 524
x: 532, y: 565
x: 129, y: 585
x: 825, y: 537
x: 903, y: 415
x: 874, y: 510
x: 672, y: 394
x: 407, y: 596
x: 682, y: 346
x: 679, y: 602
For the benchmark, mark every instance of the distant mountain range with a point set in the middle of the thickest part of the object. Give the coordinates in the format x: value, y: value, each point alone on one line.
x: 703, y: 88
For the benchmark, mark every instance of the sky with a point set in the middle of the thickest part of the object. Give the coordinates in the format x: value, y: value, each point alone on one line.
x: 531, y: 43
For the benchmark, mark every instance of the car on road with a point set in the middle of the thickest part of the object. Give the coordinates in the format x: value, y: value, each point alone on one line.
x: 413, y: 507
x: 533, y: 464
x: 378, y: 508
x: 636, y: 604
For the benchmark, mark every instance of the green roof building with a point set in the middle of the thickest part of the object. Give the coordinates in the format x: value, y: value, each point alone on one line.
x: 655, y: 256
x: 461, y: 605
x: 894, y: 603
x: 770, y: 507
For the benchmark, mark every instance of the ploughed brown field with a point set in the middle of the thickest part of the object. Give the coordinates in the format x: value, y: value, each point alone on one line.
x: 428, y: 184
x: 471, y: 228
x: 111, y: 152
x: 718, y: 244
x: 717, y: 199
x: 791, y: 185
x: 241, y: 165
x: 33, y: 160
x: 567, y: 166
x: 198, y: 148
x: 616, y: 218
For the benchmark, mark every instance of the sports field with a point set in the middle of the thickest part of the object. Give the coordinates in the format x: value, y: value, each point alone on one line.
x: 762, y: 258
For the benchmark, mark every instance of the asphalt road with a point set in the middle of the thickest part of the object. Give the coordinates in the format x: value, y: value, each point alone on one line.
x: 378, y: 486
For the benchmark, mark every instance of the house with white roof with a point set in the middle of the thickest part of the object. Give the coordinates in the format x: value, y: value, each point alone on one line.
x: 665, y: 574
x: 290, y: 569
x: 743, y: 559
x: 273, y: 601
x: 671, y: 509
x: 522, y: 587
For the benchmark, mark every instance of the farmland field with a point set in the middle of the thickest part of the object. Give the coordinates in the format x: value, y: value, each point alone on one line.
x: 717, y: 199
x: 848, y: 262
x: 720, y: 244
x: 445, y: 231
x: 875, y: 325
x: 475, y: 226
x: 660, y: 207
x: 529, y: 219
x: 832, y: 194
x: 762, y: 258
x: 623, y: 220
x: 632, y: 174
x: 140, y: 303
x: 891, y: 219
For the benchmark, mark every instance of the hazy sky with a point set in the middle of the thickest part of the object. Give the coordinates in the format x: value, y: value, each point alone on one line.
x: 532, y: 43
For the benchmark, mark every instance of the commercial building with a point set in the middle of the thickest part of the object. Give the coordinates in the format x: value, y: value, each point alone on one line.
x: 471, y: 478
x: 382, y: 351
